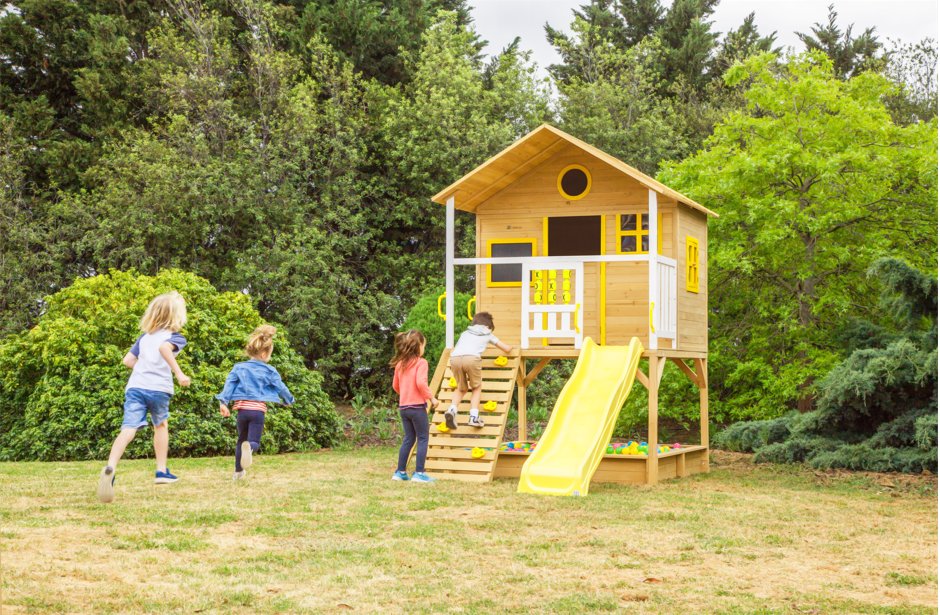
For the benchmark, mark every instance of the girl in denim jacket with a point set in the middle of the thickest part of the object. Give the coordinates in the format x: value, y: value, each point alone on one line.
x: 249, y: 385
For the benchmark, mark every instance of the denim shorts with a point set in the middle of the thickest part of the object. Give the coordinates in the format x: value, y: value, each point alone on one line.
x: 138, y: 402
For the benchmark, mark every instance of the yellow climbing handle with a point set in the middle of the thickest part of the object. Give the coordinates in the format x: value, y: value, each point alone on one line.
x: 577, y: 307
x: 652, y: 328
x: 469, y: 303
x: 439, y: 312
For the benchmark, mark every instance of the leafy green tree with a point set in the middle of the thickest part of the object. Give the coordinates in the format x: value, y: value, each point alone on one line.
x: 618, y: 109
x: 453, y: 115
x: 850, y: 56
x: 63, y: 381
x: 813, y: 182
x: 680, y: 60
x: 878, y: 408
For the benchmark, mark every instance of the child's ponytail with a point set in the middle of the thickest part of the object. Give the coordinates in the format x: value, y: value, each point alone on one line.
x: 261, y: 342
x: 407, y: 347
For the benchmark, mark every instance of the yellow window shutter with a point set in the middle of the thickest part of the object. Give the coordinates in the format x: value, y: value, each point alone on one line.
x: 691, y: 264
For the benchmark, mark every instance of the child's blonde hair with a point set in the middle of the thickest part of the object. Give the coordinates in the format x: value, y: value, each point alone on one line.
x: 165, y: 312
x: 261, y: 342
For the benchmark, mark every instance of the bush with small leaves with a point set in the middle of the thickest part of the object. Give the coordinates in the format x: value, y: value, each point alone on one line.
x: 63, y: 381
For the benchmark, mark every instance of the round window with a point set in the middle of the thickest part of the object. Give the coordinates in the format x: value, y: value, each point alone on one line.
x: 574, y: 182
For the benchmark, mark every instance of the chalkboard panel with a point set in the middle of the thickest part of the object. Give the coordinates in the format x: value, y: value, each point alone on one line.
x: 504, y: 274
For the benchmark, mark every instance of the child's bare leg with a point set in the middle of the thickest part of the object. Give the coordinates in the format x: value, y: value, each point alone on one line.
x: 458, y: 397
x: 161, y: 443
x: 120, y: 444
x: 475, y: 398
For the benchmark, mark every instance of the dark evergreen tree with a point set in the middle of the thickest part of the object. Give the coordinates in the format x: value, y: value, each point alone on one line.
x: 373, y: 35
x: 689, y: 56
x: 743, y: 42
x: 850, y: 55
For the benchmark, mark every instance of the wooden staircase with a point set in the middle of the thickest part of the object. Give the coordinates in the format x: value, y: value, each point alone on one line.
x: 449, y: 455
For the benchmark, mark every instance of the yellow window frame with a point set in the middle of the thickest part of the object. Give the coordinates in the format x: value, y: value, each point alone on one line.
x: 489, y: 254
x: 586, y: 190
x: 691, y: 264
x: 639, y: 232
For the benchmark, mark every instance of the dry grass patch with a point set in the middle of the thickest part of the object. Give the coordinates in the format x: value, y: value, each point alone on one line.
x: 329, y: 532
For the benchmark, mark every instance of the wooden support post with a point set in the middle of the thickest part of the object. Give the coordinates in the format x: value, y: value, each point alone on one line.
x: 680, y: 466
x: 535, y: 371
x: 521, y: 382
x: 701, y: 368
x: 652, y: 439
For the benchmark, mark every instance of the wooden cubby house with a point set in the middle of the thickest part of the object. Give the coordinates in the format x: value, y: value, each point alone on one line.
x: 573, y: 243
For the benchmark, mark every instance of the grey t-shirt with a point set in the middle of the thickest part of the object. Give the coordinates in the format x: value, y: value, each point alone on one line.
x: 152, y: 372
x: 473, y: 341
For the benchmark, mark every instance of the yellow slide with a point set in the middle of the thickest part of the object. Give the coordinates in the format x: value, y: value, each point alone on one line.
x: 580, y: 426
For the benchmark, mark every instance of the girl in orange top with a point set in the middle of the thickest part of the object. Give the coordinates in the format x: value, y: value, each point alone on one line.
x: 411, y: 384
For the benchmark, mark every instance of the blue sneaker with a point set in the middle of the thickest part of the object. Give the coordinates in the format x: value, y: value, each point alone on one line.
x: 400, y: 475
x: 421, y: 477
x: 165, y: 478
x: 106, y: 484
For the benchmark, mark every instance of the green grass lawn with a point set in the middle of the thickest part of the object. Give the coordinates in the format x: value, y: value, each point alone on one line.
x: 329, y: 532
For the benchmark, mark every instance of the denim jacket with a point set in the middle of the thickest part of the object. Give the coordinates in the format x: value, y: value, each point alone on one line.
x: 254, y: 380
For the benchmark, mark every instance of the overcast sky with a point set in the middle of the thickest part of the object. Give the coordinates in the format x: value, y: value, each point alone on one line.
x: 499, y: 21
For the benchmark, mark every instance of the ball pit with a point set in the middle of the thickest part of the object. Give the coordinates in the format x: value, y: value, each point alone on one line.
x: 613, y: 448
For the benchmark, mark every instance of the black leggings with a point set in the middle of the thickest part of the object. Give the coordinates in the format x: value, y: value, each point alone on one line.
x: 414, y: 422
x: 250, y: 425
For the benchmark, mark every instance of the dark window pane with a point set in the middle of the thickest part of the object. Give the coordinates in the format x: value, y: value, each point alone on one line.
x: 628, y: 243
x: 574, y: 236
x: 574, y: 182
x: 646, y: 243
x: 645, y: 221
x: 508, y: 273
x: 628, y: 222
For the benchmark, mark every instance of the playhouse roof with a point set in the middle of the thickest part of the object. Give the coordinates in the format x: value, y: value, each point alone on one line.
x: 527, y: 153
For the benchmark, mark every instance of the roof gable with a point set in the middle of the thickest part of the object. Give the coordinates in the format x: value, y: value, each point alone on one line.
x: 528, y: 153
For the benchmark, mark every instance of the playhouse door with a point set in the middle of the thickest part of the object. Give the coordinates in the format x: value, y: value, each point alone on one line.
x: 578, y: 236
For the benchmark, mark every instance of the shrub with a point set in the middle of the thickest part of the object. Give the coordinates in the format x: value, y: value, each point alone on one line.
x: 878, y: 410
x: 751, y: 435
x: 423, y: 317
x: 63, y: 381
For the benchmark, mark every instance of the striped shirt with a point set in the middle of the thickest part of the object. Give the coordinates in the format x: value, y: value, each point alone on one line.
x: 244, y: 404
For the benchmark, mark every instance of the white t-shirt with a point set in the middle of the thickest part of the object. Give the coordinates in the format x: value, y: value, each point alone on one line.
x: 473, y: 341
x: 151, y: 371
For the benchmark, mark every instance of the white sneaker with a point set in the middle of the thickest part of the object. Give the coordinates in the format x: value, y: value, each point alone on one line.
x: 246, y: 455
x: 106, y: 485
x: 239, y: 475
x: 450, y: 417
x: 476, y: 421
